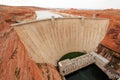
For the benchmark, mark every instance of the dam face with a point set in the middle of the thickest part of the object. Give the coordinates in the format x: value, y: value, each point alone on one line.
x: 48, y: 40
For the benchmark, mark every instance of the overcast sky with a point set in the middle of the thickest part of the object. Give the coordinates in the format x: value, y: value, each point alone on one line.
x: 83, y: 4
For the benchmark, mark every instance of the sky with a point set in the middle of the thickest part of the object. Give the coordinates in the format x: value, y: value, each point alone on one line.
x: 82, y: 4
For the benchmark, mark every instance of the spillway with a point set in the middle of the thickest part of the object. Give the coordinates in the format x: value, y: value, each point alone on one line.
x: 48, y: 40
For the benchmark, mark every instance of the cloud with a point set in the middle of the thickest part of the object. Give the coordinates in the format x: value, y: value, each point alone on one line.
x: 89, y: 4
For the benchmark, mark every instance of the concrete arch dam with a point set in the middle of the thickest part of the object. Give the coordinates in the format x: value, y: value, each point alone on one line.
x: 47, y: 40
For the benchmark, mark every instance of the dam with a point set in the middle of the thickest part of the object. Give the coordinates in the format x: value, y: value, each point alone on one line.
x: 48, y: 40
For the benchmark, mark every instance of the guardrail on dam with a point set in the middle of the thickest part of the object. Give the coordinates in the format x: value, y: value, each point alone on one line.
x: 48, y: 40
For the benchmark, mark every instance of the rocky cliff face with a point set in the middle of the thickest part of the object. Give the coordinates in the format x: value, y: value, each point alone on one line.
x: 15, y: 64
x: 17, y: 14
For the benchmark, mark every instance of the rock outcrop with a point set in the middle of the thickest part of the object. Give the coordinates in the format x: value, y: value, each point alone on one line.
x: 16, y: 14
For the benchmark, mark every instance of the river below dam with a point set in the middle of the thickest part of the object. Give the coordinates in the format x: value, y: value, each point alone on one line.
x: 91, y: 72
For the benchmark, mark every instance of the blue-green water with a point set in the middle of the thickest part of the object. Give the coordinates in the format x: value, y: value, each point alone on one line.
x: 71, y: 55
x: 91, y: 72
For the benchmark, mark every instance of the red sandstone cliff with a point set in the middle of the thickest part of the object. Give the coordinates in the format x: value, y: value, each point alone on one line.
x: 16, y: 14
x: 15, y: 64
x: 112, y: 38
